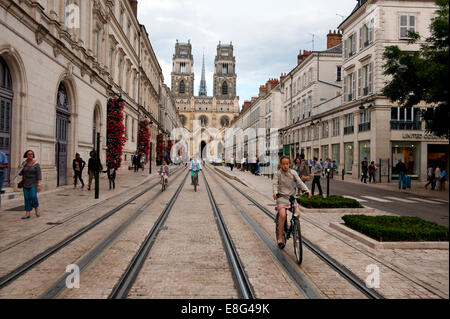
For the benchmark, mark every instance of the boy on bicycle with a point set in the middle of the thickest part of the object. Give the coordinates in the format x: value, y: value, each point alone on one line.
x: 194, y: 167
x: 164, y: 172
x: 283, y: 183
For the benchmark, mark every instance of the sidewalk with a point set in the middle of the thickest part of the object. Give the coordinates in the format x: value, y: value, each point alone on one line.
x: 417, y: 187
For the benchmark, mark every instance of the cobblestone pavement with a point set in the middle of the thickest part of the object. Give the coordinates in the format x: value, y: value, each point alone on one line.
x: 404, y: 273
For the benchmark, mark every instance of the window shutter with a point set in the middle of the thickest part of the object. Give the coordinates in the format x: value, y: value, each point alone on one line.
x: 359, y: 82
x: 353, y: 85
x: 371, y: 30
x: 354, y: 43
x: 345, y: 89
x: 370, y: 77
x: 361, y: 38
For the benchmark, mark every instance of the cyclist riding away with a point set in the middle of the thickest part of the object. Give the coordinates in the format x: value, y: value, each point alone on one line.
x: 283, y: 183
x: 195, y: 167
x: 164, y: 172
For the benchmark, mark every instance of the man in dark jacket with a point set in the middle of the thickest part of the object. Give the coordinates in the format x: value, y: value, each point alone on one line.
x: 92, y: 167
x: 136, y: 161
x: 401, y: 170
x: 78, y: 164
x: 364, y: 170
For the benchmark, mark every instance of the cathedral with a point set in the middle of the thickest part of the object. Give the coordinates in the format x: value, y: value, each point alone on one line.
x: 214, y: 111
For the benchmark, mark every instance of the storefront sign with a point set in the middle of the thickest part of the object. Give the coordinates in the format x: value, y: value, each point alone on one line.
x: 416, y: 136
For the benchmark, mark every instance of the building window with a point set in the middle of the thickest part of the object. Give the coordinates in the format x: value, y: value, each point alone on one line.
x: 407, y: 24
x: 350, y: 46
x: 364, y: 121
x: 224, y: 68
x: 348, y: 127
x: 325, y: 129
x: 350, y: 87
x: 339, y: 73
x: 182, y: 87
x: 316, y: 132
x: 309, y: 133
x: 224, y: 88
x: 366, y: 34
x: 336, y: 123
x: 183, y: 67
x: 405, y: 118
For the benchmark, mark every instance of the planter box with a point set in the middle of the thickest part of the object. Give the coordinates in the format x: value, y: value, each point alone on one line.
x: 372, y: 243
x: 363, y: 210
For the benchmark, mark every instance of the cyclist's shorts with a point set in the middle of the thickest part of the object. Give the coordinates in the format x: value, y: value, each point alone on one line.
x: 288, y: 206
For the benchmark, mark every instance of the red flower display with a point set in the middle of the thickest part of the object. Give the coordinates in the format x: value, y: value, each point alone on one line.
x: 115, y: 139
x: 159, y: 148
x: 144, y: 138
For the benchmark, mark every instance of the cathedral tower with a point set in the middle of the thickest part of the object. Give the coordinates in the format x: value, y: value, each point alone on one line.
x: 225, y: 73
x: 182, y: 71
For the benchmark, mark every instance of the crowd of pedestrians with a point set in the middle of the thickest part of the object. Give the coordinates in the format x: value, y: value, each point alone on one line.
x: 436, y: 177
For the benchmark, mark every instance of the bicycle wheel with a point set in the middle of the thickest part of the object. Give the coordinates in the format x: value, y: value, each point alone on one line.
x: 297, y: 238
x: 276, y: 230
x: 195, y: 182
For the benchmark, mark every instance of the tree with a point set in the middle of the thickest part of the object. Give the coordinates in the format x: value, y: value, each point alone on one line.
x: 423, y: 75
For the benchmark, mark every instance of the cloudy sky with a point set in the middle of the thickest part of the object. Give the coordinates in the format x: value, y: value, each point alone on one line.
x: 266, y: 35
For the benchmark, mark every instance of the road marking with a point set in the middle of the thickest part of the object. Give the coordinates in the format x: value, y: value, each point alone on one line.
x: 440, y: 200
x: 425, y: 200
x: 400, y: 199
x: 351, y: 197
x: 378, y: 199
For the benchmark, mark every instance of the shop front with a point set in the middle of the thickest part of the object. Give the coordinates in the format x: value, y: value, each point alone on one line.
x: 437, y: 155
x: 409, y: 153
x: 364, y: 151
x: 325, y: 153
x: 348, y: 158
x: 336, y: 153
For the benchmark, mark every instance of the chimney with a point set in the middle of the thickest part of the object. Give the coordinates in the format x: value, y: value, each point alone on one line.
x: 303, y: 56
x: 333, y: 39
x: 282, y: 76
x: 134, y: 5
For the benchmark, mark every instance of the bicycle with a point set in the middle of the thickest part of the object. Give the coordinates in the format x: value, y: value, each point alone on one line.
x: 163, y: 182
x: 293, y: 229
x: 195, y: 180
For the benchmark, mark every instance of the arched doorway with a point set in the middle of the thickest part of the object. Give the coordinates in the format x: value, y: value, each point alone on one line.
x: 62, y: 125
x: 203, y: 149
x: 6, y: 97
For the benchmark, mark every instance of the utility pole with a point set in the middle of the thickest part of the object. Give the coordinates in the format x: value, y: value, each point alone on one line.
x: 97, y: 168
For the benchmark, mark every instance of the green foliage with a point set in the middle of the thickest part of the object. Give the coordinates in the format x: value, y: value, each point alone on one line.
x: 332, y: 201
x: 423, y: 75
x: 397, y: 228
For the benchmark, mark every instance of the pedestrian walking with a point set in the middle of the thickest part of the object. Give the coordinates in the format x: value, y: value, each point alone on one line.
x: 3, y: 167
x: 136, y: 161
x: 437, y: 177
x: 111, y: 172
x: 78, y: 165
x: 430, y: 178
x: 92, y: 167
x: 142, y: 164
x: 304, y: 169
x: 372, y: 171
x: 401, y: 170
x: 364, y: 170
x: 442, y: 179
x: 31, y: 183
x: 317, y: 170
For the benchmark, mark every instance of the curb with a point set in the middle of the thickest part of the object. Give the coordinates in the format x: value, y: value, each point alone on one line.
x: 372, y: 243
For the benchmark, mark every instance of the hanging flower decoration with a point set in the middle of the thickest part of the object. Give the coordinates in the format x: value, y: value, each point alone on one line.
x: 115, y: 139
x: 144, y: 138
x: 159, y: 147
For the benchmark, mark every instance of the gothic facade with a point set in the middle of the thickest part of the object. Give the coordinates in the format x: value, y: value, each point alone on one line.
x: 214, y: 111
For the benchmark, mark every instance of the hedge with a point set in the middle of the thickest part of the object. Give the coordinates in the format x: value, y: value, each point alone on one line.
x: 397, y: 228
x: 332, y: 201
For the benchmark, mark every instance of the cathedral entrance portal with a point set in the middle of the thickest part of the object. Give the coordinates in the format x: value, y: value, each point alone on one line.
x: 203, y: 150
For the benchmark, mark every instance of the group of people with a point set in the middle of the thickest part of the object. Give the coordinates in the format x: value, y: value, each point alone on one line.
x: 247, y: 164
x: 138, y: 161
x: 368, y: 169
x: 436, y: 177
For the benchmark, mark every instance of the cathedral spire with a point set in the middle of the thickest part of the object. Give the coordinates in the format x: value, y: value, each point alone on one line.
x: 202, y: 91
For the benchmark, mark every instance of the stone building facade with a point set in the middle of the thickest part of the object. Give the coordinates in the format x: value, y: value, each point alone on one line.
x: 214, y: 111
x: 63, y: 61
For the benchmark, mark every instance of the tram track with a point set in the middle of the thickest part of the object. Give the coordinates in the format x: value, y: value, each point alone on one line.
x: 39, y: 258
x: 242, y: 281
x: 340, y: 269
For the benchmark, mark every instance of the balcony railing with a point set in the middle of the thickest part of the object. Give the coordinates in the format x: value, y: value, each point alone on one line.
x: 349, y: 130
x: 364, y: 127
x: 405, y: 125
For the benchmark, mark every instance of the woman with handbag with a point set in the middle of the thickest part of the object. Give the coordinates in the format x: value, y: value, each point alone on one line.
x: 304, y: 169
x: 31, y: 183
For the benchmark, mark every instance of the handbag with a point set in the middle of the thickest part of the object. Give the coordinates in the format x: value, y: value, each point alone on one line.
x: 21, y: 183
x: 305, y: 178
